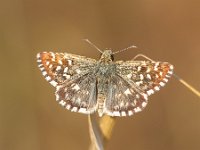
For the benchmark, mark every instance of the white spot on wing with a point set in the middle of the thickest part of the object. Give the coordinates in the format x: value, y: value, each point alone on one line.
x: 121, y: 104
x: 78, y: 71
x: 54, y: 83
x: 156, y: 88
x: 48, y: 78
x: 148, y: 69
x: 82, y: 110
x: 149, y: 76
x: 155, y: 68
x: 66, y: 69
x: 139, y: 82
x: 76, y: 87
x: 127, y: 92
x: 57, y: 97
x: 137, y: 109
x: 39, y: 60
x: 78, y: 101
x: 170, y: 72
x: 130, y: 112
x: 123, y: 113
x: 145, y: 96
x: 40, y: 65
x: 68, y: 106
x: 74, y: 109
x: 135, y: 102
x: 42, y: 69
x: 141, y: 77
x: 53, y: 55
x: 58, y: 68
x: 129, y: 75
x: 165, y: 79
x: 70, y: 62
x: 38, y: 55
x: 62, y: 103
x: 144, y: 104
x: 157, y: 76
x: 162, y: 84
x: 44, y: 73
x: 67, y: 76
x: 157, y: 64
x: 60, y: 62
x: 116, y: 113
x: 109, y: 113
x: 47, y: 63
x: 50, y: 66
x: 139, y: 68
x: 149, y: 92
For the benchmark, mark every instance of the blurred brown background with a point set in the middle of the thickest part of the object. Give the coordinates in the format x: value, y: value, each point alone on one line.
x: 31, y: 119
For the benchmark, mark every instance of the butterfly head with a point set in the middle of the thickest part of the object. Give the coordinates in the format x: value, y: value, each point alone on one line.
x: 107, y: 56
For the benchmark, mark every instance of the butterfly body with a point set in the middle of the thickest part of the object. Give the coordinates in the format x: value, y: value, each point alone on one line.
x: 118, y: 88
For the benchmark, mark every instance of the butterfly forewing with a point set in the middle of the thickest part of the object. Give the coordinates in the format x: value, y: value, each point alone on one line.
x: 60, y: 67
x: 146, y: 76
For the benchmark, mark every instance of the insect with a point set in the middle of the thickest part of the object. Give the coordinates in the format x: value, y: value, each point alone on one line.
x: 87, y: 85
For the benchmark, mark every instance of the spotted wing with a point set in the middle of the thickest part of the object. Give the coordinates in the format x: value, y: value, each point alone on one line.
x: 60, y: 67
x: 72, y: 76
x: 134, y: 82
x: 123, y: 98
x: 78, y: 95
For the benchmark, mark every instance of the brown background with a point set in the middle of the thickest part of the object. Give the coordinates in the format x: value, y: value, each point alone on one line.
x: 31, y: 119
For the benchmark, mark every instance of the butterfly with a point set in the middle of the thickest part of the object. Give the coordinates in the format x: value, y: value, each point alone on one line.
x: 87, y: 85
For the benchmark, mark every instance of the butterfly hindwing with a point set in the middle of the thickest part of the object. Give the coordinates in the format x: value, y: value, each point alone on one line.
x: 78, y: 95
x: 123, y: 99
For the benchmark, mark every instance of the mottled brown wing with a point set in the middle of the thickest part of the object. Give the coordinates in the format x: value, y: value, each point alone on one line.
x: 123, y: 98
x: 133, y: 83
x: 78, y: 95
x: 147, y: 76
x: 60, y: 67
x: 72, y: 76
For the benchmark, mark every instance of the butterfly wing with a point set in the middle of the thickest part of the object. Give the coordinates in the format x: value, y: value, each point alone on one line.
x: 123, y: 98
x: 72, y: 76
x: 78, y: 95
x: 133, y: 83
x: 59, y: 67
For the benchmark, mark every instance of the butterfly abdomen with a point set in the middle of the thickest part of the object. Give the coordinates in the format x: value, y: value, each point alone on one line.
x: 101, y: 98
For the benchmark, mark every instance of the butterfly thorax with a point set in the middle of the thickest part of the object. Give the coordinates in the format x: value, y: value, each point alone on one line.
x: 104, y: 71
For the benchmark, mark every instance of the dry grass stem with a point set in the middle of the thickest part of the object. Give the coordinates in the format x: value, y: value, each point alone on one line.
x: 191, y: 88
x: 100, y: 131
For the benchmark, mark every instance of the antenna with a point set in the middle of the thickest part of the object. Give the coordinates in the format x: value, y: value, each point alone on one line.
x: 132, y: 46
x: 86, y: 40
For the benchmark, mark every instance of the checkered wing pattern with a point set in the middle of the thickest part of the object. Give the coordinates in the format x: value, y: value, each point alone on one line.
x: 72, y: 77
x: 135, y: 81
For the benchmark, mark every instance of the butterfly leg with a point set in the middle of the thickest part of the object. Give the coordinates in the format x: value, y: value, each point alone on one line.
x: 141, y: 55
